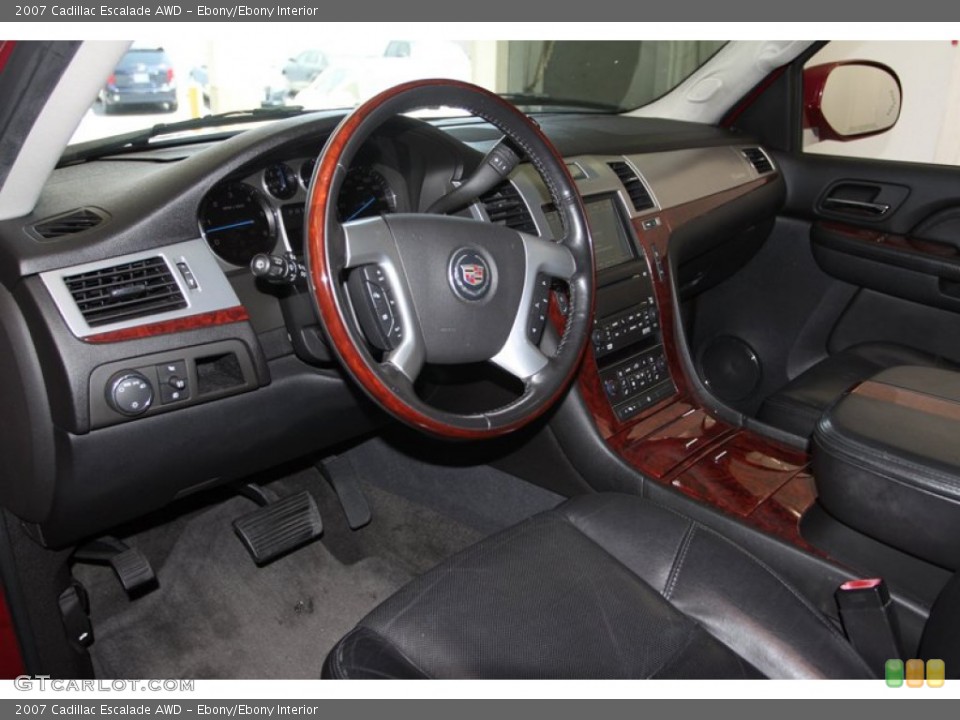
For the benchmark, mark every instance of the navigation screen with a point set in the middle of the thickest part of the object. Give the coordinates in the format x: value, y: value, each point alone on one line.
x: 611, y: 244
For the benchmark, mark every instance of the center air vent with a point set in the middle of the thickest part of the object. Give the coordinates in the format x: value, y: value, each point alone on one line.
x: 758, y: 158
x: 635, y: 188
x: 124, y: 292
x: 505, y: 206
x: 71, y: 223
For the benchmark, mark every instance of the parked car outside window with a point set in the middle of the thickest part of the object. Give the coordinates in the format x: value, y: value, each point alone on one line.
x: 144, y: 76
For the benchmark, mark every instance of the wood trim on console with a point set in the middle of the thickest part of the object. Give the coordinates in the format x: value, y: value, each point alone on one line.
x: 910, y: 399
x: 234, y: 314
x: 679, y: 443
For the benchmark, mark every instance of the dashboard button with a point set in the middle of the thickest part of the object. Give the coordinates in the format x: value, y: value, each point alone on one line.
x: 130, y: 393
x: 174, y: 385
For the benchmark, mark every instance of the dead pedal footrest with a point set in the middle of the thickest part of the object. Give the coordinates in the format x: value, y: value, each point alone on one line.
x: 281, y: 526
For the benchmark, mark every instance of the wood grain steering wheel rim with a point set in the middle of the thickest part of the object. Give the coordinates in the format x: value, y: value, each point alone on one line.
x: 333, y: 248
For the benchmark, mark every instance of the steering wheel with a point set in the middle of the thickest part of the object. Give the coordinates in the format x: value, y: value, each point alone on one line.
x: 398, y: 291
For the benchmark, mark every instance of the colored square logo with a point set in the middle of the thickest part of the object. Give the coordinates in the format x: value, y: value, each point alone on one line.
x: 914, y: 673
x: 893, y: 672
x: 936, y: 673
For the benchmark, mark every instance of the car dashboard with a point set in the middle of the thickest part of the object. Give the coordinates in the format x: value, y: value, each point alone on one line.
x: 146, y: 363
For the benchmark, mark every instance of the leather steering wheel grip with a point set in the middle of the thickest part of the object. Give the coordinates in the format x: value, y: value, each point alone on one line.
x: 328, y: 256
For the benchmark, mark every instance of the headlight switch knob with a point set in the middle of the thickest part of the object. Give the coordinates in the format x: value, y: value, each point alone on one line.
x: 129, y: 393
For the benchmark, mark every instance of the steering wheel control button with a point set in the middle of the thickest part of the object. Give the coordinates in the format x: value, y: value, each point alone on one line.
x: 539, y: 309
x: 381, y: 321
x: 130, y: 393
x: 174, y: 386
x: 471, y: 275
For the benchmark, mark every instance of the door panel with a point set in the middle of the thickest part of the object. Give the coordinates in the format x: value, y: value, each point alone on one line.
x: 910, y: 268
x: 874, y: 316
x: 831, y: 276
x: 930, y: 189
x: 893, y: 228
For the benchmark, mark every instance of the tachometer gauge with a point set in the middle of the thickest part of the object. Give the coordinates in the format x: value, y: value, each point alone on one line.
x: 365, y: 193
x: 280, y: 181
x: 237, y: 223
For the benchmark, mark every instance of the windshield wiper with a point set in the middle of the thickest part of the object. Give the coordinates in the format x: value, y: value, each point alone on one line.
x: 141, y: 138
x: 520, y: 98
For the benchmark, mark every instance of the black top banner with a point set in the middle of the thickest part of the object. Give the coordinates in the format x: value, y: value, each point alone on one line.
x: 683, y: 11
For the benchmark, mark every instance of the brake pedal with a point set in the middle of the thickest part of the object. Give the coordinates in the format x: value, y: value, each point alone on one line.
x: 340, y: 474
x: 279, y: 527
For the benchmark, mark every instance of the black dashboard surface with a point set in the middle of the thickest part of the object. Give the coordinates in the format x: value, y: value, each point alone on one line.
x: 73, y: 477
x: 152, y: 197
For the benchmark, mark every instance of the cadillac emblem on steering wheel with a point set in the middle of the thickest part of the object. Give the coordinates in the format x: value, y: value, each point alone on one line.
x: 470, y: 275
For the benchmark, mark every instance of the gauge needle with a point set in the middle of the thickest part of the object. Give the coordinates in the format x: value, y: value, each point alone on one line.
x: 231, y: 226
x: 360, y: 209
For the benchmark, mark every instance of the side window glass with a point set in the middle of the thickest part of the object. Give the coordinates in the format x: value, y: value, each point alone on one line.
x: 928, y: 130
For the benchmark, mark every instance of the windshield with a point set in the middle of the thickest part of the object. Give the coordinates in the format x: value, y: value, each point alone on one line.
x: 166, y: 80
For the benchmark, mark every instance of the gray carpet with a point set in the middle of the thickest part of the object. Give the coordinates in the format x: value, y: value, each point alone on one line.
x: 216, y: 615
x: 481, y: 497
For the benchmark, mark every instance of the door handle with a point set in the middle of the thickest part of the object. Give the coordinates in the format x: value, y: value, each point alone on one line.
x: 859, y: 206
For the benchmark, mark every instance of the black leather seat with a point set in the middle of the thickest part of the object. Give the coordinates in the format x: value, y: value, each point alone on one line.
x: 605, y: 586
x: 798, y: 405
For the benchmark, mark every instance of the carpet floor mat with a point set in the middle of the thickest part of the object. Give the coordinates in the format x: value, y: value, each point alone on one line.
x: 216, y: 614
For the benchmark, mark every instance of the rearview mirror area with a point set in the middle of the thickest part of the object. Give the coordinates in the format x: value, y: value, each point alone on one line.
x: 851, y: 99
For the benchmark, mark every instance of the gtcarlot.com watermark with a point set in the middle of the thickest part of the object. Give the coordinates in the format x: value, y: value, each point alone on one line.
x: 45, y: 682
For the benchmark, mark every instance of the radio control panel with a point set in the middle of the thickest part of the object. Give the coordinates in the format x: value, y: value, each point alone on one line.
x: 626, y: 328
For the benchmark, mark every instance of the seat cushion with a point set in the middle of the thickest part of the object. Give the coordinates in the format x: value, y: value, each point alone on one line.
x: 797, y: 406
x: 604, y: 586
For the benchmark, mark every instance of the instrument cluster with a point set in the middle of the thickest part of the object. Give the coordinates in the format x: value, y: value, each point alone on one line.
x: 265, y: 211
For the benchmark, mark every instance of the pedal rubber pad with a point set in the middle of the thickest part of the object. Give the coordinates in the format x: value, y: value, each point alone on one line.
x: 280, y: 527
x: 134, y: 571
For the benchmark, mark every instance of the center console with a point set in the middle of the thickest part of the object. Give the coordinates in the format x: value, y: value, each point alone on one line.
x: 627, y: 341
x: 637, y: 386
x: 886, y: 461
x: 628, y: 347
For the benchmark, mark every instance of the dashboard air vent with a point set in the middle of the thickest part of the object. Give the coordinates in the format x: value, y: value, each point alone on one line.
x: 71, y: 223
x: 635, y: 188
x: 759, y: 160
x: 124, y: 292
x: 505, y: 206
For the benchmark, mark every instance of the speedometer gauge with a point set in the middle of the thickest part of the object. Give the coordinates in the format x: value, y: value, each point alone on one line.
x: 237, y: 223
x: 365, y: 193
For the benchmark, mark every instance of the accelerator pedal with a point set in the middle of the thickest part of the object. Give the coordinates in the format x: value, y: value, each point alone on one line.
x: 343, y: 479
x: 279, y: 527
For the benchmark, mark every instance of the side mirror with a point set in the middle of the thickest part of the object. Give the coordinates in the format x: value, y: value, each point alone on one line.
x: 851, y: 99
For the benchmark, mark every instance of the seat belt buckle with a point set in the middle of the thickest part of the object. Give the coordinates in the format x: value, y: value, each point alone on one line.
x: 869, y: 620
